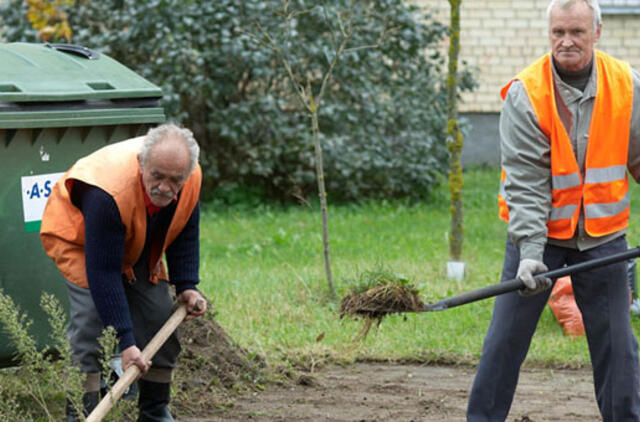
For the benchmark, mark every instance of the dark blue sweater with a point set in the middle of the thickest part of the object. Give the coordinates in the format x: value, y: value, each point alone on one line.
x: 105, y: 249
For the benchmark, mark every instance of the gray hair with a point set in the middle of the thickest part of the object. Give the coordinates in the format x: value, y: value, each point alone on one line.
x: 593, y: 5
x: 161, y: 132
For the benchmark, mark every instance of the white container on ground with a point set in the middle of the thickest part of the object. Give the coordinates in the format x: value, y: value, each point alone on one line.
x: 455, y: 270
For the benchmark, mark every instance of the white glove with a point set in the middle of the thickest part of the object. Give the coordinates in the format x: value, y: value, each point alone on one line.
x: 533, y: 285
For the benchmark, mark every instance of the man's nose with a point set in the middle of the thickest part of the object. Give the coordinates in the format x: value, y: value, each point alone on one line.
x: 566, y: 41
x: 164, y: 186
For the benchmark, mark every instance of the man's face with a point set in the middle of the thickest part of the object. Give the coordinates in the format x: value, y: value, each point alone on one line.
x: 572, y: 36
x: 165, y: 171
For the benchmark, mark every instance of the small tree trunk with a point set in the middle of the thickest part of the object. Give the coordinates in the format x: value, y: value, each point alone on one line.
x: 312, y: 104
x: 454, y: 137
x: 323, y: 200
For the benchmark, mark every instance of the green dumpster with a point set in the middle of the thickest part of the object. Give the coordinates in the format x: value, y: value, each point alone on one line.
x: 57, y: 104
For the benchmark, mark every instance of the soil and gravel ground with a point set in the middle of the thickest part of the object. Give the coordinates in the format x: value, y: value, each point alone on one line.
x: 385, y: 392
x: 214, y: 373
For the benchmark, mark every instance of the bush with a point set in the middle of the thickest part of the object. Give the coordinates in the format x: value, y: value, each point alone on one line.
x: 46, y: 378
x: 383, y: 120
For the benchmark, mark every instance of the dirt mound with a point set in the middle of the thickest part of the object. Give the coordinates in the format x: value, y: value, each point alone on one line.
x: 212, y: 369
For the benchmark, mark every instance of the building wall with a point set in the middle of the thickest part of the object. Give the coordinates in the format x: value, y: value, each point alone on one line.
x: 501, y: 37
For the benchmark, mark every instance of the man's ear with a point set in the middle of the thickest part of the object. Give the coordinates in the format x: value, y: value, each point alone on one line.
x: 140, y: 161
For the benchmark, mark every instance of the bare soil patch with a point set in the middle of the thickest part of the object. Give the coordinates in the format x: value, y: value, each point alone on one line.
x: 367, y: 392
x: 217, y: 382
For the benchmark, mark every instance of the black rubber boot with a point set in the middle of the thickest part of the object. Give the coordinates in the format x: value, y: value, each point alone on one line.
x: 153, y: 401
x: 89, y: 402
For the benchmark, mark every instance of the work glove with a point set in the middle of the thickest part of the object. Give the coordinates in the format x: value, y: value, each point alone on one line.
x: 533, y: 285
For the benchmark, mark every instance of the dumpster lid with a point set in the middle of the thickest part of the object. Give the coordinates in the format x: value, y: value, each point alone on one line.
x: 59, y: 72
x: 59, y: 85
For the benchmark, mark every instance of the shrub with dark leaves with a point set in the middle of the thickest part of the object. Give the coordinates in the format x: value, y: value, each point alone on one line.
x: 382, y: 121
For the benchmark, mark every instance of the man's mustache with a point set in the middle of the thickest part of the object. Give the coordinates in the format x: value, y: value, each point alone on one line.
x: 158, y: 192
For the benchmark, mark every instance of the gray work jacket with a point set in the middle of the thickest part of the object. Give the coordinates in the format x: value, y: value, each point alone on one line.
x: 526, y: 159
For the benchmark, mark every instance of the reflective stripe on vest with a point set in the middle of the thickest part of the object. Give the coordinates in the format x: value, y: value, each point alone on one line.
x: 607, y: 210
x: 604, y: 192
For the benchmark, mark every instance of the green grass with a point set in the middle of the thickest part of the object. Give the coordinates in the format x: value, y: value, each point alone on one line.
x: 263, y: 270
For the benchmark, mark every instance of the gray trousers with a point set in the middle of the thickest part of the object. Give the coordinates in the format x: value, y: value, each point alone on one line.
x: 602, y: 295
x: 149, y: 305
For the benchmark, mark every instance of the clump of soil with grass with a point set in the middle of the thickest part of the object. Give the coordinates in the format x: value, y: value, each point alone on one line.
x: 212, y: 368
x: 377, y: 294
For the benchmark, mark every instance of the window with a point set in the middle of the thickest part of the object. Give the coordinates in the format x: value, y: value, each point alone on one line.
x: 620, y: 7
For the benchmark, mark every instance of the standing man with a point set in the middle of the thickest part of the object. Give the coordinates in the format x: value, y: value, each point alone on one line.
x: 107, y: 224
x: 569, y: 130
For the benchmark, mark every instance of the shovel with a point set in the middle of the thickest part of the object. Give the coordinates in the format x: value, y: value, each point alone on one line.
x: 132, y: 372
x: 517, y: 284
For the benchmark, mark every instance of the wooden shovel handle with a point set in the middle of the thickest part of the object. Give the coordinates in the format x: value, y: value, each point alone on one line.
x: 132, y: 372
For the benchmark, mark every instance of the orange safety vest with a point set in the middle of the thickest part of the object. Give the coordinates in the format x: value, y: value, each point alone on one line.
x: 114, y: 169
x: 604, y: 191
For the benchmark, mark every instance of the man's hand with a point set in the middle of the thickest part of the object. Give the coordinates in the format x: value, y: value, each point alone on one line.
x: 133, y: 356
x: 196, y: 303
x: 534, y: 285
